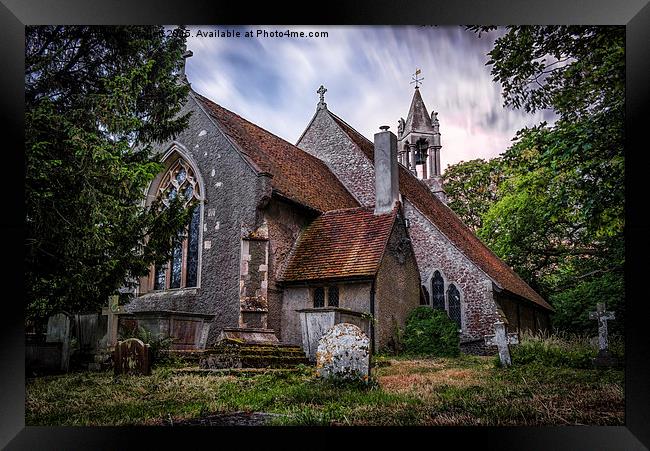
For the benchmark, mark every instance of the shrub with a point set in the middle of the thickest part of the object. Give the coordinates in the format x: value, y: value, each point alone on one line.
x: 431, y: 332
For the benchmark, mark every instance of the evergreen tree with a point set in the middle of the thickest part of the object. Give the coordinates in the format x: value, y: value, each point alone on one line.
x: 97, y: 99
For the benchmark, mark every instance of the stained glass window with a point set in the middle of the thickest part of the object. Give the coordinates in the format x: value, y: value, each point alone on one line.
x: 182, y: 269
x: 319, y: 297
x: 438, y: 291
x: 333, y: 296
x: 453, y: 297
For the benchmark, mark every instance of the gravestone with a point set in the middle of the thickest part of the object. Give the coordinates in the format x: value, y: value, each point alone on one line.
x: 58, y: 331
x: 604, y: 358
x: 132, y: 356
x: 501, y: 340
x: 344, y: 352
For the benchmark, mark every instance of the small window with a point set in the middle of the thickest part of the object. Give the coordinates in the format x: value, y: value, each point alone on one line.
x: 438, y: 291
x: 319, y: 297
x: 333, y: 296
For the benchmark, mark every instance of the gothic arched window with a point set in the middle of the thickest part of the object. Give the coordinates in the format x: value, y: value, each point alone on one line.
x: 182, y: 270
x: 437, y: 291
x: 453, y: 299
x: 333, y: 296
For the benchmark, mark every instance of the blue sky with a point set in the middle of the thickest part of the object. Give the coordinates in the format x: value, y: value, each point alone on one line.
x: 272, y: 81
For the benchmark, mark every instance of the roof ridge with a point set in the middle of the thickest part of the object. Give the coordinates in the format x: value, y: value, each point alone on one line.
x: 251, y: 123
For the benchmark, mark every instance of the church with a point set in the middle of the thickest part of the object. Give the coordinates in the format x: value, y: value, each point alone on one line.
x: 334, y: 222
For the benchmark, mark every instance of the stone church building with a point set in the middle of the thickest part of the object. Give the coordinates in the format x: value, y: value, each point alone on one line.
x: 335, y: 222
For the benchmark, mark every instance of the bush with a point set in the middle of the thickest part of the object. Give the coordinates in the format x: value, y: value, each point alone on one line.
x: 557, y: 350
x: 157, y: 343
x: 431, y: 332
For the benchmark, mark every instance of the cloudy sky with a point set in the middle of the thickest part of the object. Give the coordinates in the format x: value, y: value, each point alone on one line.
x: 272, y: 81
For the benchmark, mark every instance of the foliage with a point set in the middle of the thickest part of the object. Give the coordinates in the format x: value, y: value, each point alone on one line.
x: 431, y: 332
x: 562, y: 349
x: 472, y: 187
x: 571, y: 351
x: 97, y: 99
x: 558, y: 216
x: 158, y: 344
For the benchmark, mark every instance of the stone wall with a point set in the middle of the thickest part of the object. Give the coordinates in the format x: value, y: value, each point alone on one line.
x: 325, y: 140
x: 232, y: 192
x: 285, y: 221
x: 434, y: 251
x: 397, y: 287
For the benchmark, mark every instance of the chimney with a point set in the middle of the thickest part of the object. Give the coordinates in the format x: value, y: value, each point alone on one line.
x: 386, y: 175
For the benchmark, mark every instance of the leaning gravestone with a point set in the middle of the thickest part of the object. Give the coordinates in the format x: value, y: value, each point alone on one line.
x: 501, y: 340
x: 132, y: 356
x: 343, y: 352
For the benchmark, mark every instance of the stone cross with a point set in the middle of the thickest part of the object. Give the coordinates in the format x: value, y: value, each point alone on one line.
x: 186, y: 54
x: 501, y: 340
x: 321, y: 91
x: 602, y: 316
x: 112, y: 311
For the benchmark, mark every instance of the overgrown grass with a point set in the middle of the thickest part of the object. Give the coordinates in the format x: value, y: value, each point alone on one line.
x: 561, y: 350
x: 467, y: 390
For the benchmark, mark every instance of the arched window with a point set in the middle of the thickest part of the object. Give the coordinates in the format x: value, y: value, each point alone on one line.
x: 453, y: 298
x: 438, y: 291
x: 182, y: 270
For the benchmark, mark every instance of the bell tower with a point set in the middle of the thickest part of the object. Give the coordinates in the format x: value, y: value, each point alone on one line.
x: 418, y: 143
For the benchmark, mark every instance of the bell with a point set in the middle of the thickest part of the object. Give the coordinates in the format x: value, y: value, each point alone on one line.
x: 420, y: 156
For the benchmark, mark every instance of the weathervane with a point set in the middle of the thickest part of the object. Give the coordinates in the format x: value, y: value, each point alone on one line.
x: 416, y: 80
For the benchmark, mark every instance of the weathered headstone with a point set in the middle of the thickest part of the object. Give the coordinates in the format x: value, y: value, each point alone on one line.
x: 132, y: 356
x: 58, y: 331
x: 501, y: 340
x: 603, y: 358
x: 344, y: 352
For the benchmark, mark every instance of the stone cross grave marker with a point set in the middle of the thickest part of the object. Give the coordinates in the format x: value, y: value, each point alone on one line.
x: 603, y: 358
x: 501, y: 340
x: 602, y: 316
x: 344, y: 352
x: 132, y: 356
x: 58, y: 331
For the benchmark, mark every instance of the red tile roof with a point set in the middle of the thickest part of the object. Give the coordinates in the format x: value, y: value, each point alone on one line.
x: 451, y: 225
x: 297, y: 175
x: 340, y: 244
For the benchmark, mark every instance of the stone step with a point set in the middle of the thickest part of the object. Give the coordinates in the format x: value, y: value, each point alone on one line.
x: 233, y: 371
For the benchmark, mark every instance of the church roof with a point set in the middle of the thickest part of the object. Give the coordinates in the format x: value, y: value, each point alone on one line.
x: 296, y: 175
x: 418, y: 119
x: 450, y: 224
x: 346, y: 243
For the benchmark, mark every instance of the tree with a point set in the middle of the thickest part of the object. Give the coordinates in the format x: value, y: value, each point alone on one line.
x: 472, y: 187
x: 560, y: 214
x: 97, y: 98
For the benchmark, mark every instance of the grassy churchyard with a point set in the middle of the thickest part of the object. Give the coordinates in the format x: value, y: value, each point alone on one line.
x: 550, y: 383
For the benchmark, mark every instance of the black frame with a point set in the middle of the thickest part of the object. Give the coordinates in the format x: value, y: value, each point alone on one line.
x: 635, y: 14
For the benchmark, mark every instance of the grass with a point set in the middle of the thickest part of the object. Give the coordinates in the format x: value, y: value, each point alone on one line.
x: 466, y: 390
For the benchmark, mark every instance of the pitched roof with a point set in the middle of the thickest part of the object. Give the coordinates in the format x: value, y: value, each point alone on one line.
x: 296, y: 174
x: 340, y: 244
x: 418, y: 119
x: 451, y: 225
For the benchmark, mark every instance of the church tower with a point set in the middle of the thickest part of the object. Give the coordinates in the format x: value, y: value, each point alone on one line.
x: 418, y: 143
